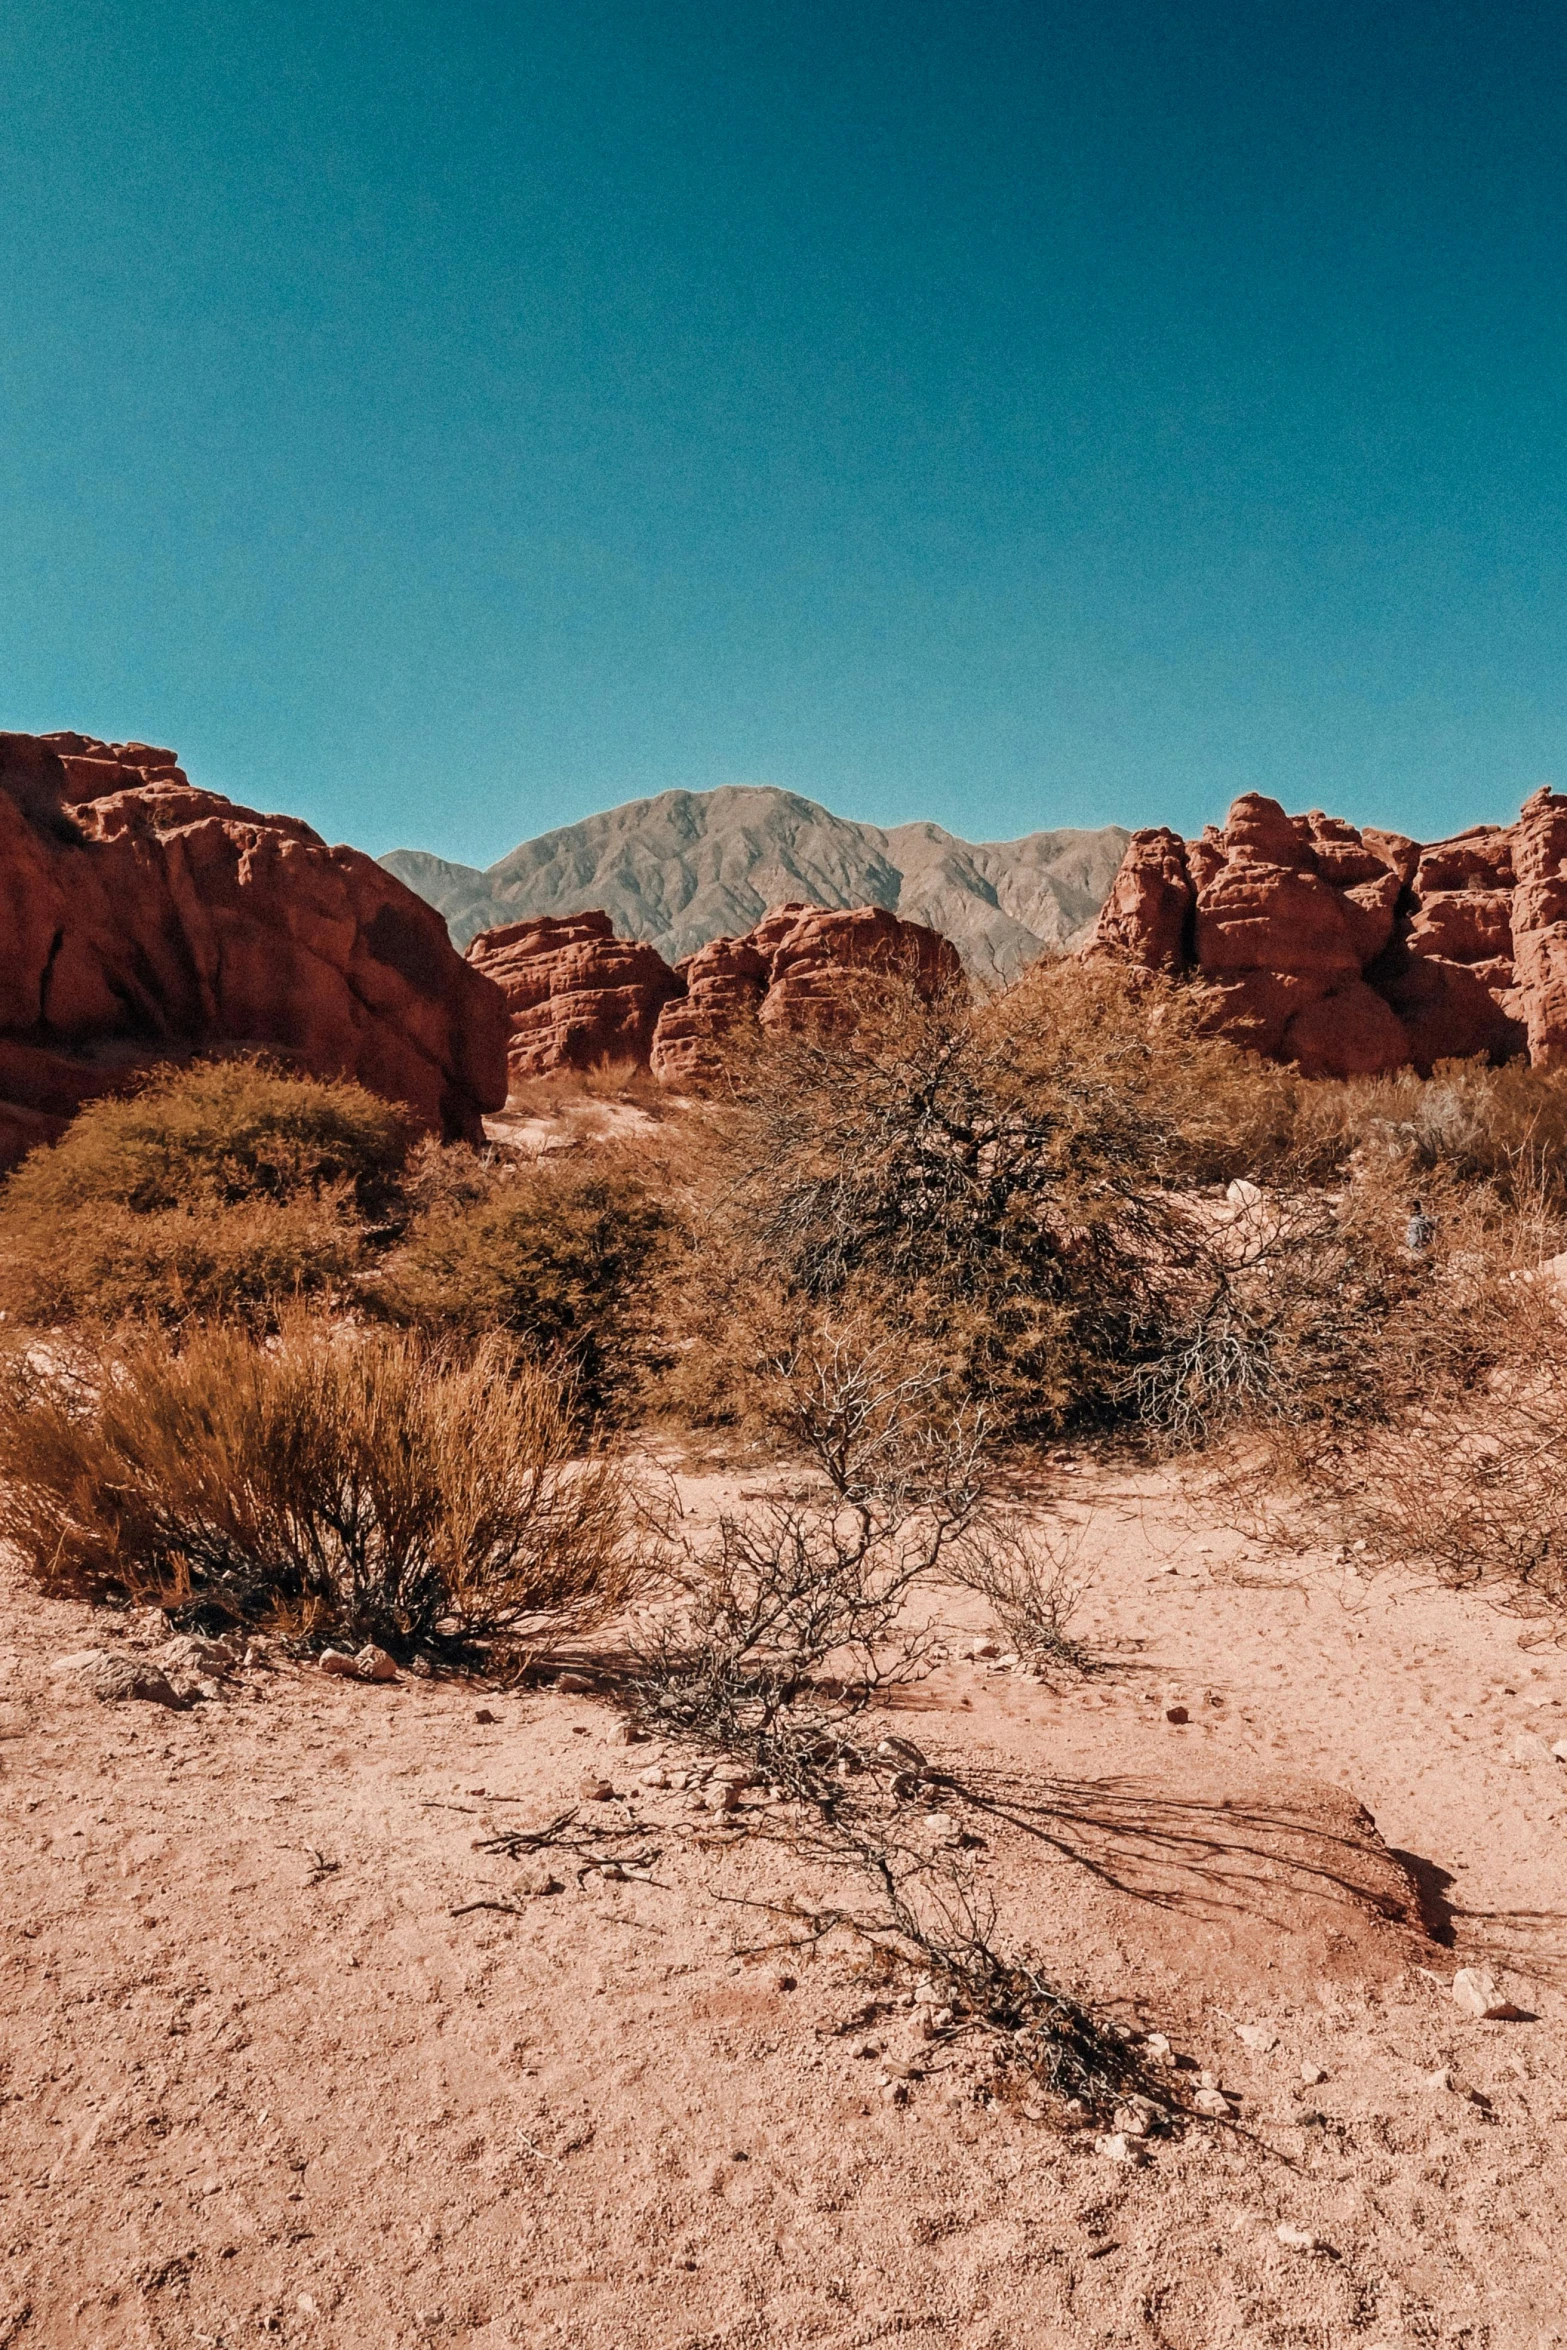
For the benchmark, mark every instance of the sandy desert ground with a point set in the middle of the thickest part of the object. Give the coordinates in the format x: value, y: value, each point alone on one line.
x: 268, y: 2073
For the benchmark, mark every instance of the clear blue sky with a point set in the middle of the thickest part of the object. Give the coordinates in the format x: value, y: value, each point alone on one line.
x: 442, y: 420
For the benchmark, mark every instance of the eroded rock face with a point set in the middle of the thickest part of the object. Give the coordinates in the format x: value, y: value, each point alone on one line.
x: 795, y: 971
x: 143, y: 919
x: 580, y: 998
x: 577, y: 997
x: 1353, y: 953
x: 725, y: 982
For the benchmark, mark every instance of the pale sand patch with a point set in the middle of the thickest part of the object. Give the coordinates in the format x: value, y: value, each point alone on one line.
x: 240, y: 2079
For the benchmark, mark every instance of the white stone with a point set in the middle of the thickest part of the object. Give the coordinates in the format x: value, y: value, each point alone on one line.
x: 1475, y: 1992
x: 1260, y: 2038
x: 1213, y: 2103
x: 1311, y: 2074
x: 337, y: 1660
x: 1118, y: 2147
x: 1296, y: 2239
x: 373, y: 1664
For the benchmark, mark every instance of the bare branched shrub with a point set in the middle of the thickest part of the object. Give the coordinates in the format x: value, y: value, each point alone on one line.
x: 1280, y: 1313
x: 352, y: 1485
x: 777, y: 1590
x: 926, y: 1916
x: 1032, y: 1574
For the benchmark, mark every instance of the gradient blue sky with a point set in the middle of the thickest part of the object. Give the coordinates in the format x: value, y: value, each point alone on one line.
x: 445, y: 420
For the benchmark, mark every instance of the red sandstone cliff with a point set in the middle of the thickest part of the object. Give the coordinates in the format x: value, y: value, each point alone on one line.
x: 579, y: 998
x: 141, y: 919
x: 1352, y: 953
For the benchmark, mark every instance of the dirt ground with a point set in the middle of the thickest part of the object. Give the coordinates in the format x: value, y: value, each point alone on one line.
x: 268, y: 2071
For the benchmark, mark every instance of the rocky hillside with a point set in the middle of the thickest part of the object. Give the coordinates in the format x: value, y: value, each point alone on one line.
x: 687, y: 867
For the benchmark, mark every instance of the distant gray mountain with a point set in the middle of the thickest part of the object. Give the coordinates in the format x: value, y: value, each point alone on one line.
x: 689, y: 866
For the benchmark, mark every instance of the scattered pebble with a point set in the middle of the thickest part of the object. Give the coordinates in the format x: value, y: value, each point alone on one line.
x: 1260, y: 2038
x: 573, y: 1684
x: 1440, y: 2080
x: 1296, y: 2239
x: 337, y: 1660
x: 1158, y: 2047
x: 1213, y: 2103
x: 1118, y: 2147
x: 373, y: 1664
x: 1176, y: 1713
x: 1311, y: 2074
x: 596, y: 1790
x: 483, y: 1714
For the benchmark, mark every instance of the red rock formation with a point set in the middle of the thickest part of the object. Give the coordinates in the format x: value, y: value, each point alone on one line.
x: 577, y: 997
x: 1148, y: 912
x: 1353, y: 953
x: 1539, y: 925
x: 725, y: 982
x: 142, y: 919
x: 796, y: 970
x: 810, y: 974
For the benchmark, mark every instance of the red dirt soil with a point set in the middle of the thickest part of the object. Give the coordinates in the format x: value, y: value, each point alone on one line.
x: 261, y: 2082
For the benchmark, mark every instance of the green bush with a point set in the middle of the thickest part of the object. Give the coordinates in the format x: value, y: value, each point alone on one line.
x: 556, y: 1257
x: 220, y: 1188
x: 348, y: 1484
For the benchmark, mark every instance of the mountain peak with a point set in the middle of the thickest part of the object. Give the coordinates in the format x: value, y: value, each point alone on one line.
x: 684, y: 867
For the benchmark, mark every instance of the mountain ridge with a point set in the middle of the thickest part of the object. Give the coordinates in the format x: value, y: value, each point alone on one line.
x: 683, y: 867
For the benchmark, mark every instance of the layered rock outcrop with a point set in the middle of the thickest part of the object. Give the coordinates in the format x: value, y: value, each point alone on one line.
x: 143, y: 919
x: 579, y: 998
x: 1354, y: 953
x: 796, y: 970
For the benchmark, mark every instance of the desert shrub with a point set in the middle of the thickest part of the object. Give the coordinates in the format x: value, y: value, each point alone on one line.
x: 770, y: 1592
x: 222, y: 1132
x: 555, y: 1256
x: 1456, y: 1465
x: 1010, y: 1186
x: 1472, y: 1124
x: 177, y: 1264
x: 350, y: 1484
x: 220, y: 1188
x: 1029, y: 1568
